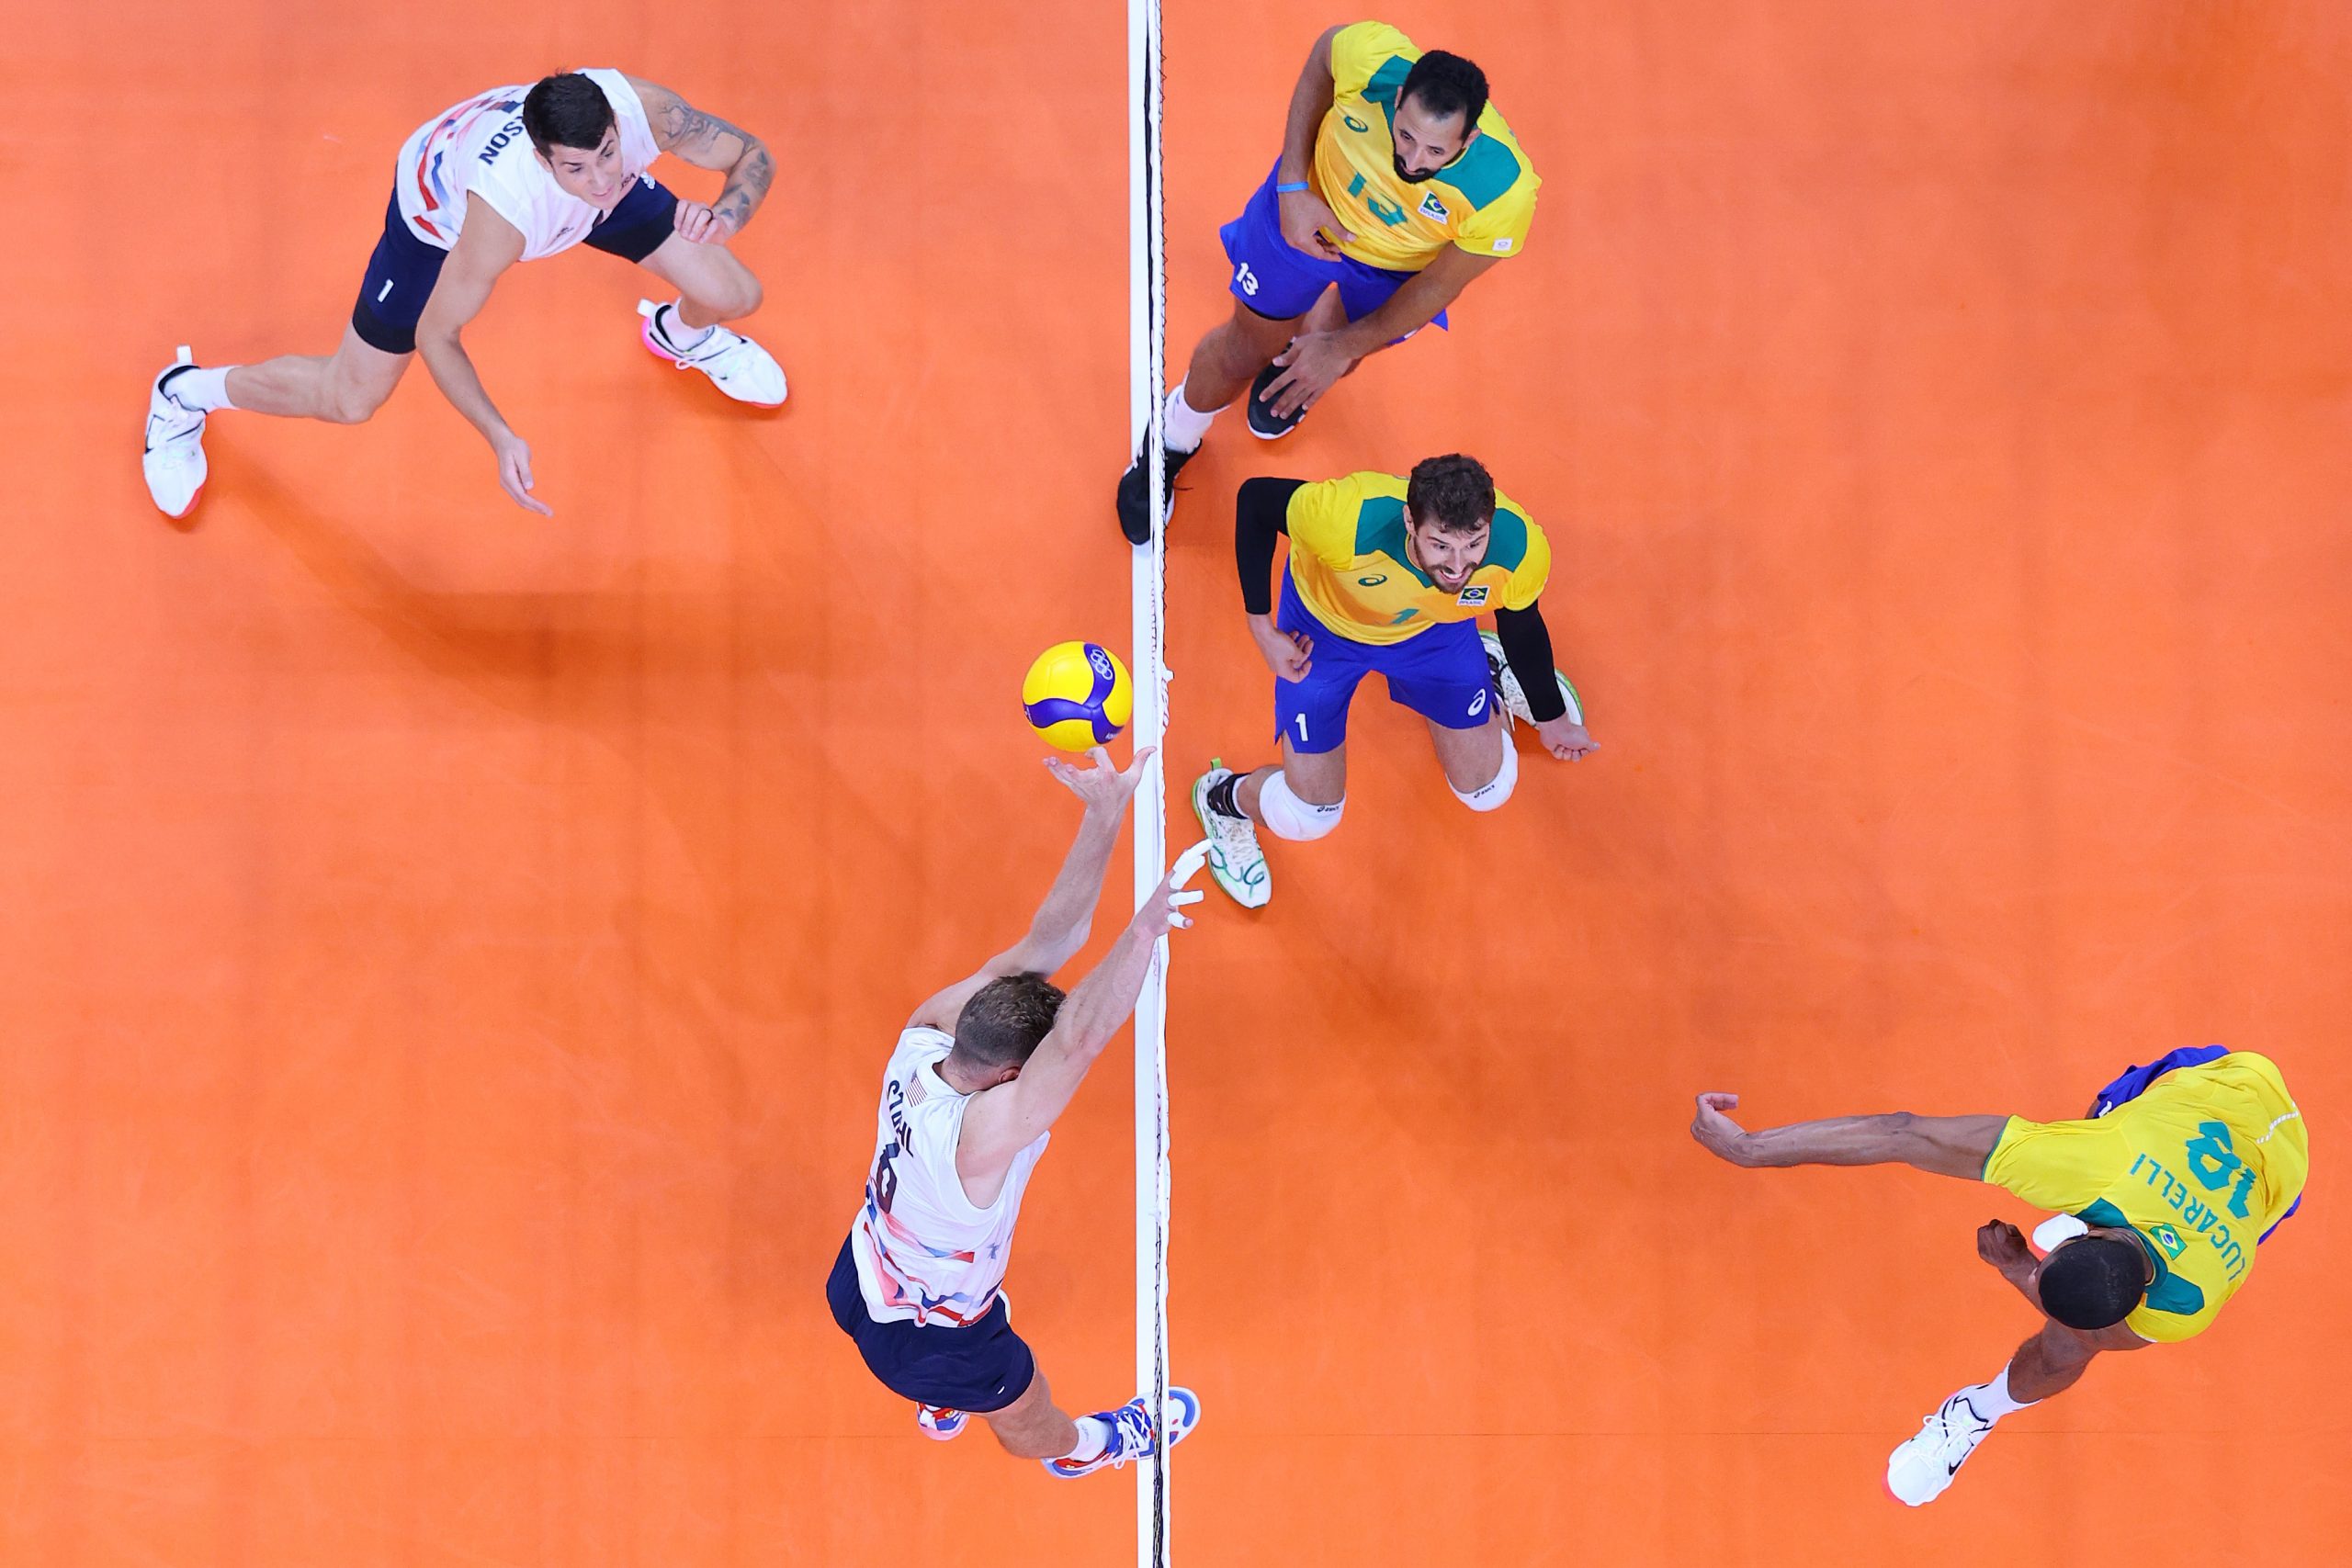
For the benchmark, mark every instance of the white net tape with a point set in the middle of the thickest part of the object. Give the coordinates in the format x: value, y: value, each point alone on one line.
x: 1148, y: 330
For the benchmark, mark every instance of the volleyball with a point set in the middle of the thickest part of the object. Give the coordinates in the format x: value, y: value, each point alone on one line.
x: 1077, y: 695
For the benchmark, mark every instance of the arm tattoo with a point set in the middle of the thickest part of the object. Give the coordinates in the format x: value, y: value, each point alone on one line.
x: 747, y: 184
x: 700, y: 138
x: 691, y: 131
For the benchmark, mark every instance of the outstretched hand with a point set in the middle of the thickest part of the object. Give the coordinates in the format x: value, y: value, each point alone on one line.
x: 1104, y: 786
x: 1163, y: 911
x: 1716, y: 1132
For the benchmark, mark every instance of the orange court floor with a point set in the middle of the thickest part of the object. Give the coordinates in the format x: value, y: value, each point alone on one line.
x: 449, y: 956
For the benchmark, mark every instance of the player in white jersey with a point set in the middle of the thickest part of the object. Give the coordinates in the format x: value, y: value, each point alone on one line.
x: 979, y: 1075
x: 511, y: 174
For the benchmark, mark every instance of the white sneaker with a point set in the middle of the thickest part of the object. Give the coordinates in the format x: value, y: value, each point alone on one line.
x: 1514, y: 697
x: 1235, y: 858
x: 1919, y: 1470
x: 736, y: 366
x: 174, y: 459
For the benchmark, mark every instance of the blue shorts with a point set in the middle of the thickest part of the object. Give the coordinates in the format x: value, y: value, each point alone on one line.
x: 1280, y: 282
x: 1441, y: 674
x: 2135, y: 1081
x: 402, y: 273
x: 980, y: 1368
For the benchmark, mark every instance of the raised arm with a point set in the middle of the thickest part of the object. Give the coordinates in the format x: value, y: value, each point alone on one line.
x: 1002, y: 1121
x: 709, y: 143
x: 1941, y: 1145
x: 1062, y: 922
x: 487, y: 245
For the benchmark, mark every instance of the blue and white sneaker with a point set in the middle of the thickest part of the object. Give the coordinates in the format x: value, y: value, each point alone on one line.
x: 939, y: 1423
x: 1131, y: 1435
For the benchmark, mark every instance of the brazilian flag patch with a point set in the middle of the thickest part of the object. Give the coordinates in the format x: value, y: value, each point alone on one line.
x: 2167, y: 1238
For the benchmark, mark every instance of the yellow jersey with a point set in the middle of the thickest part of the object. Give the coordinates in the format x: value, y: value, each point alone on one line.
x: 2197, y: 1168
x: 1348, y: 557
x: 1483, y: 202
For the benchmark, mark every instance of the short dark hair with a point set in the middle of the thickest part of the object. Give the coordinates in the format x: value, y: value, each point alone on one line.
x: 2093, y: 1282
x: 1454, y: 492
x: 1447, y: 84
x: 1006, y: 1018
x: 567, y: 109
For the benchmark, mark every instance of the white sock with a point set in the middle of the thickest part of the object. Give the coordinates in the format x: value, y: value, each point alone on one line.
x: 1093, y: 1437
x: 676, y: 334
x: 1181, y: 424
x: 1991, y: 1400
x: 202, y: 388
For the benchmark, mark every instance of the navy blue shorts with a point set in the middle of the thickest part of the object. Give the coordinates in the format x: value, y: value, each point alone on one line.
x: 982, y: 1367
x: 2135, y: 1081
x: 1279, y: 281
x: 1441, y: 674
x: 402, y: 272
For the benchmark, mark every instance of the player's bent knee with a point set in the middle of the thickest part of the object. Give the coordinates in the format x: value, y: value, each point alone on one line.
x: 1287, y: 817
x: 350, y: 406
x: 1496, y: 790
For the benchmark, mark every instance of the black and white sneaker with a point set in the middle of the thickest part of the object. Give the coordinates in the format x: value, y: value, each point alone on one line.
x: 173, y: 458
x: 1135, y: 495
x: 1918, y: 1470
x: 1264, y: 423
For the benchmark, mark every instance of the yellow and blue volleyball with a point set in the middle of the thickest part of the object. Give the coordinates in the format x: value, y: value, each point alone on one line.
x: 1077, y: 695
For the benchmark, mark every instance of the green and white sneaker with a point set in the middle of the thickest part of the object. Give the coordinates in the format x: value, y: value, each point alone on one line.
x: 1514, y: 698
x: 1235, y: 858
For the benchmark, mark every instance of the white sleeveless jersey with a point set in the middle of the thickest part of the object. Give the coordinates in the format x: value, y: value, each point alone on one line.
x: 923, y: 1252
x: 479, y: 146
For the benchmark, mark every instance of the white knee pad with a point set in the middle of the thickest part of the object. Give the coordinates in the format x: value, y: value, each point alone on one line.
x: 1496, y: 790
x: 1291, y: 817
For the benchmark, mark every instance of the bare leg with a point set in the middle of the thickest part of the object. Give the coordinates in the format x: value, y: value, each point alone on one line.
x: 2051, y: 1362
x: 1318, y: 778
x: 713, y: 286
x: 1229, y: 357
x: 1329, y: 316
x: 1033, y: 1427
x: 344, y: 388
x: 1471, y: 758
